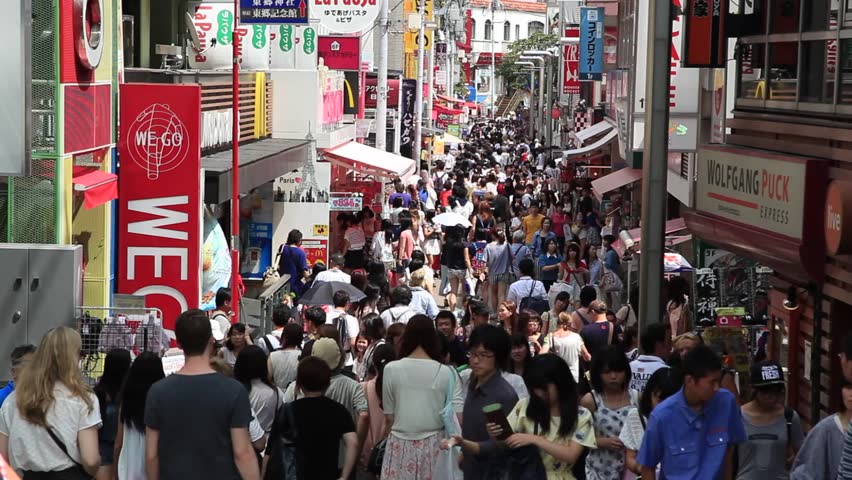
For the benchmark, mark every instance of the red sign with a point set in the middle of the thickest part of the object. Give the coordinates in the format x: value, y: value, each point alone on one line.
x: 340, y: 53
x: 705, y: 43
x: 316, y: 250
x: 372, y: 92
x: 159, y: 236
x: 571, y: 64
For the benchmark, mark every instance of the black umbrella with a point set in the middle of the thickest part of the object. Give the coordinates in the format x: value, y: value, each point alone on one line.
x: 322, y: 293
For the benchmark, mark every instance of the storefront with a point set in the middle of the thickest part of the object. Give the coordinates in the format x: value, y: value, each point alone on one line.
x: 766, y: 207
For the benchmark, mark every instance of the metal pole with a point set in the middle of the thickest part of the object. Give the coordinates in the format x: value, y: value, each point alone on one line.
x: 235, y: 168
x: 654, y: 161
x: 493, y: 76
x: 548, y: 105
x: 530, y: 123
x: 430, y: 80
x: 382, y: 79
x: 540, y: 124
x: 418, y: 99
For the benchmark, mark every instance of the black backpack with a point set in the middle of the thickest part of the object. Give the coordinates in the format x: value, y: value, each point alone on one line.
x: 340, y: 324
x: 537, y: 304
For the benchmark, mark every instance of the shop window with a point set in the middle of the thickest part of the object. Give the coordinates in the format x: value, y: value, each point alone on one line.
x: 816, y: 83
x: 783, y: 71
x: 846, y: 71
x: 820, y: 15
x: 507, y: 31
x: 784, y: 16
x: 488, y: 29
x: 534, y: 27
x: 751, y: 71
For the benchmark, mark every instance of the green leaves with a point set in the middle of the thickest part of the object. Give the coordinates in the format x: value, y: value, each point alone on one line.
x: 514, y: 74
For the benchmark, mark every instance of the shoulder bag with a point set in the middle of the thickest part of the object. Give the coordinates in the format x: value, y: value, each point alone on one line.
x: 77, y: 472
x: 509, y: 275
x: 537, y: 304
x: 609, y: 280
x: 286, y: 462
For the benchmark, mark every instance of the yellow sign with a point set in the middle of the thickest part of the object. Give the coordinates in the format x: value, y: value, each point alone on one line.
x: 320, y: 230
x: 438, y: 146
x: 411, y: 37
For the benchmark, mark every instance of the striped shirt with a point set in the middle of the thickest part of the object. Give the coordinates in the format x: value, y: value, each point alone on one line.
x: 845, y: 472
x: 356, y: 238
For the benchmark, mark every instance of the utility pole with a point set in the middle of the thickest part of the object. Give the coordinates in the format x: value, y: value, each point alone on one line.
x: 418, y: 99
x: 430, y: 80
x: 531, y: 122
x: 493, y: 76
x: 541, y: 97
x: 654, y: 161
x: 382, y: 79
x: 548, y: 105
x: 236, y: 294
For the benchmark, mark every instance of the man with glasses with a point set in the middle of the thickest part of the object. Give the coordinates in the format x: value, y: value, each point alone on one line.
x: 21, y: 356
x: 489, y: 355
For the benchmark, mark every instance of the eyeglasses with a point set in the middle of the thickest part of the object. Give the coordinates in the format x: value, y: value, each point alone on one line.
x: 480, y: 355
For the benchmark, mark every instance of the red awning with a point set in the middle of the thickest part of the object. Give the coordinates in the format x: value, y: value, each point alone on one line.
x: 371, y: 161
x: 615, y: 180
x: 672, y: 226
x: 451, y: 100
x: 98, y: 187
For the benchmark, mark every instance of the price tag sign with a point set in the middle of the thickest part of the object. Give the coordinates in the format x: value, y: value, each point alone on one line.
x: 346, y: 204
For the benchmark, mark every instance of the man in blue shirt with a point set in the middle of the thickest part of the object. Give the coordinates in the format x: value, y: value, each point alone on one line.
x: 610, y: 259
x: 692, y: 434
x: 21, y: 356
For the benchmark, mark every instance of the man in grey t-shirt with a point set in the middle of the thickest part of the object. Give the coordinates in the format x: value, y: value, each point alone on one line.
x: 197, y: 420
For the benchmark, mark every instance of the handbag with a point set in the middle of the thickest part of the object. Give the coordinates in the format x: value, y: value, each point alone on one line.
x: 377, y: 457
x: 610, y: 281
x: 77, y: 472
x: 270, y: 276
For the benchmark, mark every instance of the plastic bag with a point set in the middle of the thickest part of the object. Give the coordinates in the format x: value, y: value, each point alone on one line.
x: 446, y: 465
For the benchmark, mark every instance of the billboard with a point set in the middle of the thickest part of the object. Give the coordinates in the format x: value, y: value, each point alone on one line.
x: 591, y: 43
x: 705, y: 44
x: 571, y: 64
x: 159, y: 240
x: 340, y: 53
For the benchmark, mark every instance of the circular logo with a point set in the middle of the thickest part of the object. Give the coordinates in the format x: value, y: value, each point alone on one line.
x: 88, y: 30
x: 158, y: 140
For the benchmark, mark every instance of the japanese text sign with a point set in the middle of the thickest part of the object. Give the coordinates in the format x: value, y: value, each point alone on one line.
x: 406, y: 113
x: 591, y: 43
x: 705, y: 43
x: 340, y: 53
x: 274, y: 11
x: 345, y: 16
x: 571, y: 64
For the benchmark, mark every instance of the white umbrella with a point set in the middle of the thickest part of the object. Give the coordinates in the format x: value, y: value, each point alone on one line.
x: 451, y: 219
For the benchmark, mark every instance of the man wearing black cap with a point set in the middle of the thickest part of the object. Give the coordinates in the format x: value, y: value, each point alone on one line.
x: 773, y: 431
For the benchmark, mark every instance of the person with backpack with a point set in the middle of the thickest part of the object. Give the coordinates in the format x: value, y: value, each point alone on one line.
x: 272, y: 341
x: 774, y: 431
x: 527, y: 292
x: 292, y: 260
x: 347, y: 326
x: 583, y: 315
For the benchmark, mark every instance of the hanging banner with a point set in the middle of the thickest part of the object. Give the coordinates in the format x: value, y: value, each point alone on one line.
x: 160, y: 216
x: 591, y: 43
x: 406, y: 112
x: 346, y: 16
x: 571, y: 64
x: 294, y: 47
x: 717, y: 113
x: 705, y: 43
x: 274, y: 11
x: 214, y: 24
x: 372, y: 91
x: 340, y: 53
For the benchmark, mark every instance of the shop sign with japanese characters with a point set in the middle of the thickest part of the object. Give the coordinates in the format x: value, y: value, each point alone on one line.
x: 591, y: 43
x: 345, y: 16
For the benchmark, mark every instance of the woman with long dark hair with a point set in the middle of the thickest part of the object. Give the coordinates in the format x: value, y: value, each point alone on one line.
x: 236, y: 342
x: 414, y: 391
x: 116, y: 365
x: 381, y: 356
x: 677, y: 306
x: 609, y: 401
x: 145, y: 371
x: 383, y: 245
x: 455, y: 265
x: 550, y: 419
x: 252, y: 371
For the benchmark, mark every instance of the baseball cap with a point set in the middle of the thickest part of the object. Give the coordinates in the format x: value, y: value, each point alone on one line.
x: 766, y: 374
x: 327, y: 350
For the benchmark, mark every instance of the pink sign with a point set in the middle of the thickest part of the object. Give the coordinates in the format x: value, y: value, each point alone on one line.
x: 571, y: 64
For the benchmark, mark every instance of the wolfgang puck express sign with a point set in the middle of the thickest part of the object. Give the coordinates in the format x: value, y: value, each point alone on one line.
x: 751, y: 188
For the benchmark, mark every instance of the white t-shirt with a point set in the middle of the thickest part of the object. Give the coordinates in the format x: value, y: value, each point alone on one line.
x: 398, y: 314
x: 414, y: 391
x: 332, y: 275
x: 30, y: 446
x: 568, y: 348
x: 642, y: 368
x: 356, y: 238
x: 352, y: 329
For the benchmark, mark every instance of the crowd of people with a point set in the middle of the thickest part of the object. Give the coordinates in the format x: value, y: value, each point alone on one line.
x: 500, y: 350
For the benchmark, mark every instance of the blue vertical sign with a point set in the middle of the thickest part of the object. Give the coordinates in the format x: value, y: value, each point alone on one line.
x: 591, y: 43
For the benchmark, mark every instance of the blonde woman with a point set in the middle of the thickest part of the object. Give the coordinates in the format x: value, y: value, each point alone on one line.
x: 52, y: 408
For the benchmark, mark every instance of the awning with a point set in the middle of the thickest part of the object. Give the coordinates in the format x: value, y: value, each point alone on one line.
x: 260, y: 162
x: 98, y: 187
x: 615, y: 180
x: 597, y: 129
x: 452, y: 139
x: 672, y: 226
x: 371, y: 161
x: 450, y: 99
x: 610, y: 136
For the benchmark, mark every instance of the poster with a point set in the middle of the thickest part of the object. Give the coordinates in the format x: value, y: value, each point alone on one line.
x: 315, y: 251
x: 301, y: 202
x: 256, y: 232
x: 160, y: 209
x: 214, y: 23
x: 215, y: 261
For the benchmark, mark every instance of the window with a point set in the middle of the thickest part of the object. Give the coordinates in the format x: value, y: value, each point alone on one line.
x: 816, y: 83
x: 751, y: 68
x: 488, y: 29
x: 507, y: 31
x: 472, y: 29
x: 534, y: 27
x: 845, y: 72
x: 785, y: 16
x: 518, y: 32
x: 820, y: 15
